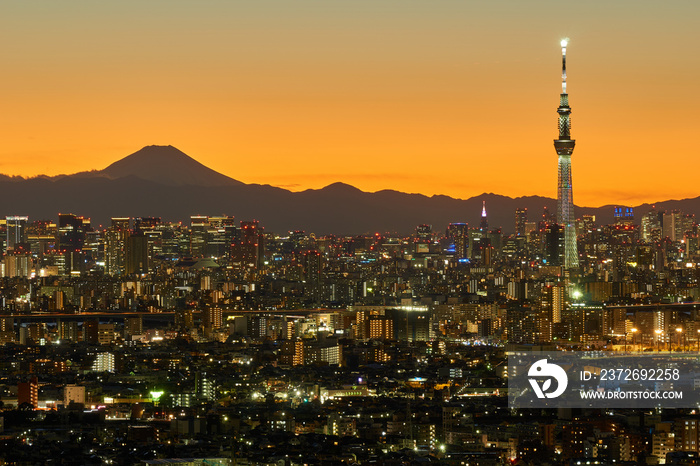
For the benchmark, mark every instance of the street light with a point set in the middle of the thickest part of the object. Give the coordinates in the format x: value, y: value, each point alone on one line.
x: 634, y: 331
x: 658, y: 339
x: 679, y: 330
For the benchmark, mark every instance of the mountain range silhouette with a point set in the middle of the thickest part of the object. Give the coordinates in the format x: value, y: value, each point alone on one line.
x: 165, y: 182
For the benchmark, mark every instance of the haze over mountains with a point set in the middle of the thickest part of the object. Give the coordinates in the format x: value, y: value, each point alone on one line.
x: 165, y: 182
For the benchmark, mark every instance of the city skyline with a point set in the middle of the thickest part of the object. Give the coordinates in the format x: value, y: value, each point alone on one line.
x: 313, y: 233
x: 408, y: 98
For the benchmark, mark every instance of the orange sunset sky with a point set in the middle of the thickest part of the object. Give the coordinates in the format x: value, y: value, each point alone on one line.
x: 452, y: 97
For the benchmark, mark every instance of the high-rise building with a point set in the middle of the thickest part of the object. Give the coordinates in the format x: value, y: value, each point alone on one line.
x: 142, y: 224
x: 424, y: 233
x: 199, y: 225
x: 565, y: 147
x: 423, y: 238
x: 121, y: 223
x: 553, y: 241
x: 292, y: 352
x: 42, y: 238
x: 105, y: 334
x: 152, y: 229
x: 623, y: 215
x: 16, y: 231
x: 212, y: 317
x: 411, y: 325
x: 7, y: 324
x: 137, y: 258
x: 553, y: 301
x: 672, y: 225
x: 588, y: 223
x: 520, y: 221
x: 115, y: 246
x: 204, y: 387
x: 71, y: 232
x: 184, y: 319
x: 104, y: 362
x: 133, y: 325
x: 313, y: 268
x: 248, y: 250
x: 547, y: 216
x: 222, y: 231
x: 18, y: 263
x: 651, y: 226
x: 257, y: 326
x: 687, y: 435
x: 91, y: 331
x: 28, y: 393
x: 380, y: 327
x: 322, y: 350
x: 93, y: 247
x: 68, y: 331
x: 458, y: 235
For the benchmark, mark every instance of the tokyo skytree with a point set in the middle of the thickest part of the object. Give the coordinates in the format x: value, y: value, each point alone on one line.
x: 565, y: 147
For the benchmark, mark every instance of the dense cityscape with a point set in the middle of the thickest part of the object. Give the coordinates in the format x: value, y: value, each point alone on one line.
x: 222, y: 341
x: 249, y: 334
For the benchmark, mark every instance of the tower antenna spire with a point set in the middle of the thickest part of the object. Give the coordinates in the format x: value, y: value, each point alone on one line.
x: 564, y: 43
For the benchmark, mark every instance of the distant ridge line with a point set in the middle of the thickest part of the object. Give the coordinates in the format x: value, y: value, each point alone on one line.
x: 165, y: 182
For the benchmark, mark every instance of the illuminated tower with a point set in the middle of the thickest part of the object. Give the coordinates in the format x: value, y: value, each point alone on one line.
x: 565, y: 147
x: 484, y: 225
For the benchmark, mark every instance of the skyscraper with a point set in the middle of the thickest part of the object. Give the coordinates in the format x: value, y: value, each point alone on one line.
x: 248, y: 249
x: 136, y: 254
x: 115, y: 246
x: 313, y: 272
x: 199, y: 226
x: 651, y: 226
x: 520, y: 221
x: 458, y: 235
x: 623, y: 215
x: 71, y: 232
x: 16, y: 230
x: 565, y: 147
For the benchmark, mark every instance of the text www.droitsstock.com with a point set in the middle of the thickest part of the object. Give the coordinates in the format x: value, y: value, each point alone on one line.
x: 631, y: 395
